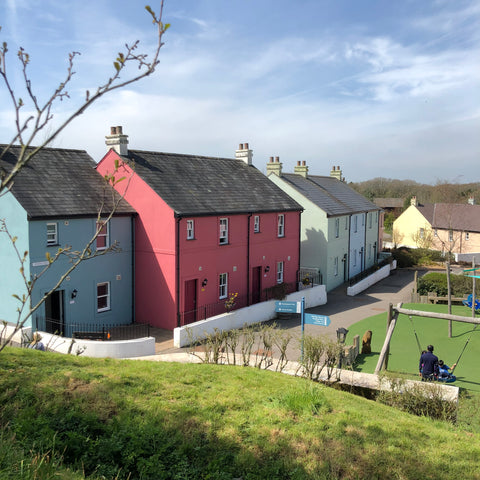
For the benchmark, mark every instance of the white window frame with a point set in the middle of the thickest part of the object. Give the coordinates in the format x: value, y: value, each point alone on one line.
x: 52, y: 236
x: 355, y: 224
x: 105, y: 296
x: 346, y: 223
x: 422, y: 232
x: 190, y: 230
x: 337, y: 227
x: 101, y: 235
x: 335, y: 266
x: 223, y: 286
x: 467, y: 236
x: 281, y: 225
x: 450, y: 235
x: 280, y: 268
x: 223, y: 231
x: 256, y: 224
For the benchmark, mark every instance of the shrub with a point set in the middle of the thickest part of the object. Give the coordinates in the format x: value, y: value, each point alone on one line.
x: 437, y: 282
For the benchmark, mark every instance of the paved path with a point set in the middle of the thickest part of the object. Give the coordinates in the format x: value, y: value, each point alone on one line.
x: 342, y: 310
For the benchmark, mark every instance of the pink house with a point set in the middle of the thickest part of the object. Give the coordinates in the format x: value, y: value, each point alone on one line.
x: 210, y: 232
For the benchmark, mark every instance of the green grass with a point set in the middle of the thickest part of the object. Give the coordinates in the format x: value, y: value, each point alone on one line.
x: 105, y: 418
x: 404, y: 352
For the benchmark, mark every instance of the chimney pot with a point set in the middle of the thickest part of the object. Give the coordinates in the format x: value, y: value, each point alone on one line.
x: 298, y: 163
x: 277, y: 159
x: 113, y: 130
x: 271, y: 159
x: 246, y: 146
x: 333, y: 168
x: 240, y: 146
x: 338, y: 168
x: 304, y: 163
x: 117, y: 140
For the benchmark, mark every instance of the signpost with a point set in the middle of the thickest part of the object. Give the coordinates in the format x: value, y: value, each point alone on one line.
x: 321, y: 320
x: 288, y: 307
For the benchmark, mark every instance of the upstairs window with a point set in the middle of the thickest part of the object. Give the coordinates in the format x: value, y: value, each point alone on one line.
x: 190, y: 230
x: 467, y: 236
x: 279, y: 272
x: 103, y: 296
x: 370, y: 218
x: 223, y: 238
x: 256, y: 224
x: 222, y: 286
x: 103, y: 234
x: 355, y: 224
x: 335, y: 266
x: 450, y: 235
x: 52, y: 234
x: 422, y: 233
x: 337, y: 227
x: 281, y: 225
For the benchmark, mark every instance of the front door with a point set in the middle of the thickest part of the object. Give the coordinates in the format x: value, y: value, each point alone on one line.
x: 190, y: 308
x: 256, y: 284
x: 54, y: 314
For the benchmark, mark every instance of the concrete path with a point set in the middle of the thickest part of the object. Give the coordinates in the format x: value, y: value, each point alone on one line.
x: 342, y: 310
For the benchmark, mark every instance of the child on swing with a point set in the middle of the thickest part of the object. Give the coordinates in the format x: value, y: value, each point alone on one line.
x: 444, y: 374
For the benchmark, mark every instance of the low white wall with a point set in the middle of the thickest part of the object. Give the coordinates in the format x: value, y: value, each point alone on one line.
x: 380, y: 274
x: 20, y: 337
x: 138, y: 347
x: 260, y: 312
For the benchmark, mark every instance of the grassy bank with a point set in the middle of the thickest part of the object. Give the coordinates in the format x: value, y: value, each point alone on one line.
x: 137, y: 419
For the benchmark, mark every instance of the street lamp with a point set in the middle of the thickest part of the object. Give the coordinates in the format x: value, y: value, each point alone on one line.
x: 341, y: 337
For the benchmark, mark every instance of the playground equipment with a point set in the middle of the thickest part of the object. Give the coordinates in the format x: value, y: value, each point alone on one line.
x: 469, y: 302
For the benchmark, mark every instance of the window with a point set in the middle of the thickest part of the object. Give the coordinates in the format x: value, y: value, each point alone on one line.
x: 281, y: 225
x: 337, y: 227
x: 355, y: 224
x: 103, y: 296
x: 363, y: 219
x: 346, y: 223
x: 102, y: 238
x: 222, y: 286
x: 279, y: 272
x: 370, y: 219
x: 256, y: 224
x: 422, y: 233
x: 335, y: 266
x: 190, y: 230
x: 435, y: 233
x: 450, y: 235
x: 52, y: 237
x: 223, y: 231
x: 467, y: 236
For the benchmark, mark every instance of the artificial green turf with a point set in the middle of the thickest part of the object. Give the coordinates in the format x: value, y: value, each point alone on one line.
x: 404, y: 351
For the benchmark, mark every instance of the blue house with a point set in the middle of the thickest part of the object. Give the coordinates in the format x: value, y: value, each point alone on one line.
x: 57, y: 202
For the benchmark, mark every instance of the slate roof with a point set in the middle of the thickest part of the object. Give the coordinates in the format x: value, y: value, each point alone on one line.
x: 388, y: 202
x: 61, y: 182
x: 450, y: 216
x: 330, y: 194
x: 194, y: 185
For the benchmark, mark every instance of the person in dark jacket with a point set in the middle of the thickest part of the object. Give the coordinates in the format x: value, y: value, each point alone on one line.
x: 428, y: 365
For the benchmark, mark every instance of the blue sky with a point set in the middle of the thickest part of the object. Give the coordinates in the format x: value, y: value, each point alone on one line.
x: 380, y: 88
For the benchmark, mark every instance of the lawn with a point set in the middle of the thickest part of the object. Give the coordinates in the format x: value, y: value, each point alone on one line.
x: 73, y: 417
x: 404, y: 351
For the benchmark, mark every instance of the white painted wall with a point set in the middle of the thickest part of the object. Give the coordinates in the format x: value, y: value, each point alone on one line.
x: 260, y: 312
x: 380, y: 274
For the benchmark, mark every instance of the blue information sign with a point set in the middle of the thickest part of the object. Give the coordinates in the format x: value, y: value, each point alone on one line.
x: 322, y: 320
x: 288, y: 307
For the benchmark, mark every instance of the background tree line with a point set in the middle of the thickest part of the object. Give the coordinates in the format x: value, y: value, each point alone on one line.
x: 440, y: 192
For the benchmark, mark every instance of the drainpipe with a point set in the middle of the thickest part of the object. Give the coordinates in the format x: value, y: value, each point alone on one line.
x: 364, y: 253
x: 248, y: 258
x: 348, y: 251
x: 177, y: 271
x: 132, y: 226
x: 299, y: 245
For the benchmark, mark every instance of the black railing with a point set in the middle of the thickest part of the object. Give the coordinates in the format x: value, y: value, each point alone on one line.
x: 93, y: 331
x: 369, y: 271
x: 226, y: 305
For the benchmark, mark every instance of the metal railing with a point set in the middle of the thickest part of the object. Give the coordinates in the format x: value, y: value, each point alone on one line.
x: 366, y: 273
x: 93, y: 331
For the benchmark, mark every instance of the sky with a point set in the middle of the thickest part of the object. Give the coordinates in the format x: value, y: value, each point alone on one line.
x: 380, y: 88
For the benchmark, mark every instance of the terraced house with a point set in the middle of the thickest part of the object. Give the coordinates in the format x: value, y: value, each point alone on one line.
x: 340, y: 227
x: 212, y: 233
x: 58, y: 200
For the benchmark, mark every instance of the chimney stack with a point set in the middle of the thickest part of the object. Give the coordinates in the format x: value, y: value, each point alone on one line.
x: 244, y: 153
x: 413, y: 201
x: 336, y: 173
x: 471, y: 200
x: 274, y: 166
x: 117, y: 140
x: 301, y: 169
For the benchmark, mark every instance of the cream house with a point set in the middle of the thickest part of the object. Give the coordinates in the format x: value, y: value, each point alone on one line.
x: 446, y: 227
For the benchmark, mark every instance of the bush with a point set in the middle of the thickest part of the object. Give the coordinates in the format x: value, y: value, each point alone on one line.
x: 437, y: 282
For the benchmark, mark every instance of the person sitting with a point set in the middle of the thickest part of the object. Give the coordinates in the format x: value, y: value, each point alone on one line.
x: 36, y: 343
x: 444, y: 374
x: 428, y: 365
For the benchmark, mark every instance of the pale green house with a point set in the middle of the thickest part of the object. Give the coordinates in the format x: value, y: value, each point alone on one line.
x: 339, y: 227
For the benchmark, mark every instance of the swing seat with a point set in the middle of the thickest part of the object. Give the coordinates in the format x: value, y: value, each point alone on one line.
x: 468, y: 302
x: 449, y: 379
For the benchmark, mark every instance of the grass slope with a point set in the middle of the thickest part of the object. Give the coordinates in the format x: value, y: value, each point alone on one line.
x: 112, y: 419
